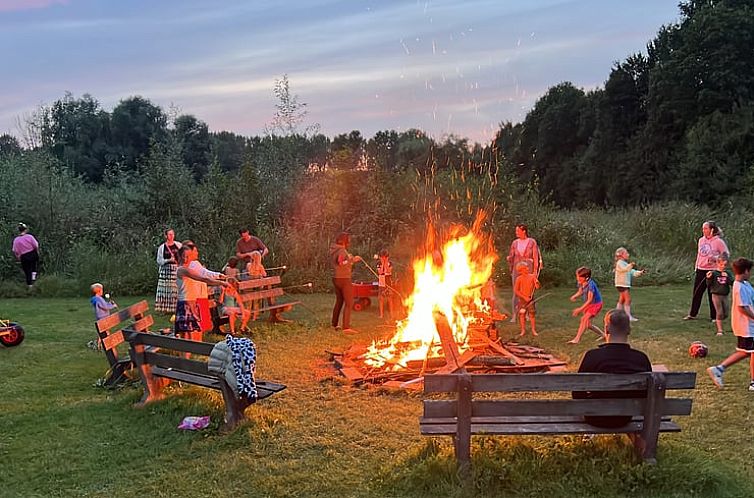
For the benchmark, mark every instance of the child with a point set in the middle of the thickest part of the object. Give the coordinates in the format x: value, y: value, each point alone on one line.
x: 232, y: 305
x: 742, y: 323
x: 385, y: 282
x: 624, y: 273
x: 526, y: 284
x: 255, y: 269
x: 592, y: 306
x: 101, y: 306
x: 231, y: 268
x: 719, y: 283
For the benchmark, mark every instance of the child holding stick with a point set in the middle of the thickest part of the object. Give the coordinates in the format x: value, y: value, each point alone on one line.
x: 385, y: 282
x: 624, y: 274
x: 592, y: 306
x: 526, y: 284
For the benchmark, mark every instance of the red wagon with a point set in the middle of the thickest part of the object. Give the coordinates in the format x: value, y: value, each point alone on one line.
x: 362, y: 292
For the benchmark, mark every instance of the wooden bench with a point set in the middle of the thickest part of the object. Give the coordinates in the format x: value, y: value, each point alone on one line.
x: 110, y: 334
x: 155, y: 357
x: 466, y: 416
x: 266, y: 290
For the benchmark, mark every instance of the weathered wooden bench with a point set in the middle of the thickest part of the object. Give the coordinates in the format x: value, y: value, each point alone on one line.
x: 266, y: 290
x: 465, y: 416
x: 110, y: 334
x: 160, y: 360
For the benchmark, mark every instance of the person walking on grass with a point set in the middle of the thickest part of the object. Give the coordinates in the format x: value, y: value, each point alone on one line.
x: 592, y: 306
x: 624, y: 275
x: 709, y: 248
x: 342, y: 262
x: 742, y: 322
x: 26, y: 250
x: 719, y: 283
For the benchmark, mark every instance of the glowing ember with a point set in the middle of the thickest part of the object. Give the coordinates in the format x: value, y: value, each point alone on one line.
x: 448, y: 280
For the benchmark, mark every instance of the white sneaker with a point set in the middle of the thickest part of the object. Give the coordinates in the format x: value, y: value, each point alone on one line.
x: 751, y: 386
x: 633, y: 319
x: 717, y: 376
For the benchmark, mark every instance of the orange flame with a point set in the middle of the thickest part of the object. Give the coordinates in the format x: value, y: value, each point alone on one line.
x: 448, y: 280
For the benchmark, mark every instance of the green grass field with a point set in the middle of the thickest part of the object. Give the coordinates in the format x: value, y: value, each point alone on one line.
x: 62, y: 436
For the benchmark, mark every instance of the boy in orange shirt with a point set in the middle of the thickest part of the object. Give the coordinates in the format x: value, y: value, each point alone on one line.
x: 526, y: 284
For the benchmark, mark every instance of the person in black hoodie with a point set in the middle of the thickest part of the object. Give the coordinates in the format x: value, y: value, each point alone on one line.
x: 342, y: 262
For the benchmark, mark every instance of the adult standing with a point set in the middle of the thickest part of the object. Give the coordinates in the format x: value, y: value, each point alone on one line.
x: 709, y: 248
x: 341, y: 262
x: 167, y: 262
x: 524, y: 249
x: 26, y: 249
x: 247, y: 244
x: 191, y: 281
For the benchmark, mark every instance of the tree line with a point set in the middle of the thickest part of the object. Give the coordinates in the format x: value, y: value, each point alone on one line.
x: 98, y: 187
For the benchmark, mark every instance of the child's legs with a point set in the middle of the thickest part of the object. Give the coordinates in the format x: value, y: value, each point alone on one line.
x: 533, y: 320
x: 231, y: 321
x: 245, y: 316
x: 751, y: 366
x: 623, y: 297
x: 522, y: 322
x: 735, y: 358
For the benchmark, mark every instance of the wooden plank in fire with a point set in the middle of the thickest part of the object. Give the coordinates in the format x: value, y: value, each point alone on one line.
x: 500, y: 349
x: 352, y: 374
x: 465, y: 358
x: 449, y: 346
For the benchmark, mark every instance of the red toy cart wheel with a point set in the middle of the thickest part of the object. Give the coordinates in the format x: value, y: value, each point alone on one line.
x: 362, y: 291
x: 11, y: 333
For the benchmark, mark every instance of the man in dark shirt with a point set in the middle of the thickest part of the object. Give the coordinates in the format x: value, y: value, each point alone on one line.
x: 248, y: 244
x: 615, y: 356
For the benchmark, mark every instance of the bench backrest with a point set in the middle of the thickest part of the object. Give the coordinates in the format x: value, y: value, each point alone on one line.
x: 163, y: 358
x: 110, y: 328
x: 653, y: 384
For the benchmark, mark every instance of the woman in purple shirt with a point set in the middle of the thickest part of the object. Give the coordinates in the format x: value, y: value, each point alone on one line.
x: 709, y: 248
x: 26, y: 249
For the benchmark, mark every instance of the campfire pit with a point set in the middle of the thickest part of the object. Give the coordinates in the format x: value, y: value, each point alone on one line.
x: 450, y: 321
x: 485, y: 354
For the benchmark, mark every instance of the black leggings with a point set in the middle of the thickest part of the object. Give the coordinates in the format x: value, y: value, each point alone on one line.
x: 29, y: 262
x: 700, y: 285
x: 343, y: 296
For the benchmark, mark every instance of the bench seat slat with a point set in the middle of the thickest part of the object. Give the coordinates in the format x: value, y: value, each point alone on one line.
x: 546, y: 428
x: 556, y: 382
x: 521, y: 407
x: 191, y: 378
x: 527, y: 419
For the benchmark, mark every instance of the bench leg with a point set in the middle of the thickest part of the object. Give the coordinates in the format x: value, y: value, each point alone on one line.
x: 462, y: 437
x: 153, y: 386
x: 650, y: 431
x: 234, y: 407
x: 275, y: 316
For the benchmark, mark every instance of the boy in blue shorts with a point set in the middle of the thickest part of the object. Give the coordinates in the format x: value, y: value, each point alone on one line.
x: 742, y: 323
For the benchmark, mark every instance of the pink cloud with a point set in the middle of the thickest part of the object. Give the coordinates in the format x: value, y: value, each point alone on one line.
x: 13, y: 5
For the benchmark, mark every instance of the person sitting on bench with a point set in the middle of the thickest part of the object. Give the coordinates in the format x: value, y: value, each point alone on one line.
x: 231, y: 305
x: 615, y: 356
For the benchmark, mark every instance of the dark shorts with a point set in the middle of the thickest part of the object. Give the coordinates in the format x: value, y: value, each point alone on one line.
x: 623, y: 289
x: 187, y: 317
x: 745, y: 344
